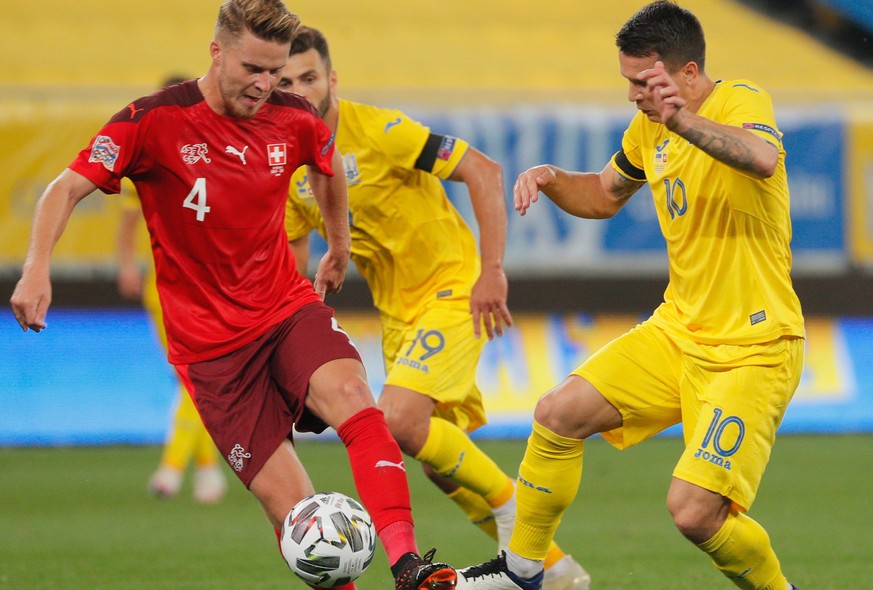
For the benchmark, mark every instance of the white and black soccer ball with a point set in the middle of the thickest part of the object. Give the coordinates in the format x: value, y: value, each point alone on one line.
x: 328, y: 539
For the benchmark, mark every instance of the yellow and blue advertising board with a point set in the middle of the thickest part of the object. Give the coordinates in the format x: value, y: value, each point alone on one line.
x: 102, y: 377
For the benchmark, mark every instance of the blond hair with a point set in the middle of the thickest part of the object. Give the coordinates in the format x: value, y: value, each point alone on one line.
x: 269, y: 20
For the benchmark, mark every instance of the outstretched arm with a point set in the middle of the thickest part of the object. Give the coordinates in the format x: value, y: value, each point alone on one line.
x: 33, y: 293
x: 592, y: 195
x: 484, y: 179
x: 332, y: 196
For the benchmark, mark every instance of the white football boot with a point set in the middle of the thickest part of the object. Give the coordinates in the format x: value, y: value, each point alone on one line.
x: 566, y: 574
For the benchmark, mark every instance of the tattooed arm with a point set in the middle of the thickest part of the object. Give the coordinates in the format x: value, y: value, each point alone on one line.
x: 730, y: 145
x: 590, y: 195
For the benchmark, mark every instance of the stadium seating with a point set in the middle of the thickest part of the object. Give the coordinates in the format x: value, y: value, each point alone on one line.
x: 454, y: 51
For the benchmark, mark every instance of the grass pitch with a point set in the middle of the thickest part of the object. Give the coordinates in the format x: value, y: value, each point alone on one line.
x: 80, y: 518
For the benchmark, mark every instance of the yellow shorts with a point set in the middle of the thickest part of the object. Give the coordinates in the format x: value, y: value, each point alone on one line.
x: 437, y: 356
x: 729, y: 398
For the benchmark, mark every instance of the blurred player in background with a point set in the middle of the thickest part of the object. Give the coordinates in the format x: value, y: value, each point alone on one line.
x: 187, y: 439
x: 723, y: 353
x: 211, y: 160
x: 427, y: 279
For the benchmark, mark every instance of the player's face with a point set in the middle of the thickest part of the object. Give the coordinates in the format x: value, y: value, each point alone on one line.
x: 248, y: 70
x: 637, y: 92
x: 306, y: 74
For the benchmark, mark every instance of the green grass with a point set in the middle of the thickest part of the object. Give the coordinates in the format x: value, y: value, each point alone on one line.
x: 80, y: 518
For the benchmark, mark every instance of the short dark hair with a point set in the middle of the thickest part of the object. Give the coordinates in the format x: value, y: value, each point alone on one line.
x: 666, y: 29
x: 269, y: 20
x: 309, y: 38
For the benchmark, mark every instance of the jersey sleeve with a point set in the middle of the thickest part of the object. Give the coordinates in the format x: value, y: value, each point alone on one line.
x: 321, y: 146
x: 750, y: 107
x: 441, y: 154
x: 399, y: 138
x: 628, y: 161
x: 112, y: 153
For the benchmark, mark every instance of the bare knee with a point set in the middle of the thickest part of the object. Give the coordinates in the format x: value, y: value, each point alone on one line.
x: 576, y: 409
x: 338, y: 390
x: 401, y: 430
x: 697, y: 513
x: 548, y: 412
x: 407, y: 414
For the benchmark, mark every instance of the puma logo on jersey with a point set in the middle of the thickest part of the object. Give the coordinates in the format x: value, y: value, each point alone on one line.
x: 384, y: 463
x: 241, y: 154
x: 133, y: 110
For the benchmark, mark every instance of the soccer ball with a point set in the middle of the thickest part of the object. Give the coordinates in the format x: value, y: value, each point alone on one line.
x: 328, y: 539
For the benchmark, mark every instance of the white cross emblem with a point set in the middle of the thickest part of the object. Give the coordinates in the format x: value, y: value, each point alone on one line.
x: 276, y: 154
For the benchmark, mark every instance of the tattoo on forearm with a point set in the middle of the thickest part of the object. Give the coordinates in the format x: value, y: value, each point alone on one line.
x: 624, y: 188
x: 723, y: 147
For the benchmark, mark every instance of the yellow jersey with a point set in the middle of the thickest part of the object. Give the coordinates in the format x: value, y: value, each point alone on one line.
x: 408, y: 240
x: 727, y: 233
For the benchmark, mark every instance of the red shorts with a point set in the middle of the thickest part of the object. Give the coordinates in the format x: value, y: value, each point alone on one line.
x: 251, y: 399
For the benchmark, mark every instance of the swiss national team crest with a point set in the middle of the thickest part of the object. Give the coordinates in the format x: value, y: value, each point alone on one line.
x: 277, y: 156
x: 104, y: 151
x: 237, y: 457
x: 194, y: 152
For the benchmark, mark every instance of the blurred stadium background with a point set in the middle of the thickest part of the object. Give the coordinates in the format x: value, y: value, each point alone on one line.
x: 525, y: 82
x: 524, y: 85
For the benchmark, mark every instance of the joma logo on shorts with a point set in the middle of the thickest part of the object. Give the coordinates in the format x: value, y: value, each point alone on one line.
x: 712, y: 458
x: 414, y: 364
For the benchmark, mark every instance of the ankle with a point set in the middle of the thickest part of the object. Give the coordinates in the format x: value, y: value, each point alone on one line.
x: 523, y: 567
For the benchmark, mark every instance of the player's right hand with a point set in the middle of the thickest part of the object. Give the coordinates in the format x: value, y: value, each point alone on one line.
x: 529, y: 184
x: 30, y: 301
x: 331, y: 273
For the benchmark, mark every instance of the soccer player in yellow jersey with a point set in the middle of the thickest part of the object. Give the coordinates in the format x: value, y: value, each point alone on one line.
x: 722, y: 354
x: 187, y: 439
x: 433, y: 290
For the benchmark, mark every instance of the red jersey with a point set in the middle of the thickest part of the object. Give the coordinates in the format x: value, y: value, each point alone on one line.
x: 213, y: 192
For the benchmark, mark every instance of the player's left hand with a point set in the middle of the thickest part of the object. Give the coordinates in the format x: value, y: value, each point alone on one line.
x: 665, y: 94
x: 488, y: 303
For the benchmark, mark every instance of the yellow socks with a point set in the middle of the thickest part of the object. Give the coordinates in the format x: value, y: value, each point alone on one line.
x: 479, y: 514
x: 452, y: 454
x: 548, y: 479
x: 477, y: 510
x: 741, y: 550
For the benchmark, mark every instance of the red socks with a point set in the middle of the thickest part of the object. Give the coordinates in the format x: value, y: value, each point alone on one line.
x: 380, y: 478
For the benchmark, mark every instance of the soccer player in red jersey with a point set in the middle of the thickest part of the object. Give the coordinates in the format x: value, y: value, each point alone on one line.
x: 252, y: 340
x: 187, y: 440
